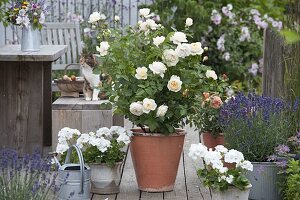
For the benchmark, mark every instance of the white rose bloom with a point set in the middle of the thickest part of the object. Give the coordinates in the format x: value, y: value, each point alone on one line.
x: 170, y: 57
x: 188, y: 22
x: 136, y: 108
x: 104, y: 131
x: 103, y: 49
x: 196, y: 48
x: 174, y: 84
x: 183, y: 50
x: 141, y: 73
x: 178, y: 38
x: 221, y: 149
x: 245, y: 165
x: 161, y: 111
x: 158, y: 40
x: 117, y: 18
x: 158, y: 68
x: 124, y: 138
x: 151, y: 24
x: 197, y: 151
x: 61, y: 148
x: 233, y: 156
x: 229, y: 179
x: 103, y: 144
x: 144, y: 12
x: 211, y: 74
x: 148, y: 105
x: 94, y: 17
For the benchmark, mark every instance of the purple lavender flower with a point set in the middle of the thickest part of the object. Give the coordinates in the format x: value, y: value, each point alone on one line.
x: 282, y: 149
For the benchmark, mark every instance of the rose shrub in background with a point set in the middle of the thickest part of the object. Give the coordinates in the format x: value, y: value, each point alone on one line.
x: 28, y: 177
x: 214, y: 174
x: 156, y: 74
x: 103, y: 146
x: 255, y: 124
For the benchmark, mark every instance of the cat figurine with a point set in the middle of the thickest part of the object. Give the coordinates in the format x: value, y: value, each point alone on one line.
x: 92, y: 82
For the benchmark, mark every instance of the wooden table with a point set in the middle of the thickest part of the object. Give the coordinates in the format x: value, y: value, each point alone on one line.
x: 25, y: 97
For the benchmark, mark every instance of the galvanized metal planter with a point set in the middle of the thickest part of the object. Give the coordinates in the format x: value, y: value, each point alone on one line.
x: 31, y: 39
x: 105, y: 179
x: 263, y: 179
x: 74, y: 179
x: 232, y: 193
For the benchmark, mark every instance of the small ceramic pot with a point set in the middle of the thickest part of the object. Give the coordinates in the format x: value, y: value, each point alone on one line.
x: 232, y: 193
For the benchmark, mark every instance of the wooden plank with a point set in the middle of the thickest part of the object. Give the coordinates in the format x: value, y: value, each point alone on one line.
x: 104, y: 197
x: 179, y: 192
x: 61, y: 42
x: 92, y: 120
x: 152, y: 196
x: 128, y: 187
x: 78, y: 40
x: 195, y: 189
x: 67, y: 42
x: 73, y: 47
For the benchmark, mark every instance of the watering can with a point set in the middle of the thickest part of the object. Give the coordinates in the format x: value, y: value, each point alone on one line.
x: 74, y: 179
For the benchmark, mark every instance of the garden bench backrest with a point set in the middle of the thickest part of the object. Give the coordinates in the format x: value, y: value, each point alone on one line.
x: 64, y: 34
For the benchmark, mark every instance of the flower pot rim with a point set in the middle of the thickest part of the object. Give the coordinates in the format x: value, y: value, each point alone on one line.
x: 208, y: 132
x: 232, y: 186
x: 179, y: 132
x: 105, y: 164
x: 263, y: 163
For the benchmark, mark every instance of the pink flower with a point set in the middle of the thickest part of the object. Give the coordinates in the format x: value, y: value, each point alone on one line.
x: 216, y: 102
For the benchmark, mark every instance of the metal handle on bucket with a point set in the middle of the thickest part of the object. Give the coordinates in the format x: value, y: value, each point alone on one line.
x: 81, y: 162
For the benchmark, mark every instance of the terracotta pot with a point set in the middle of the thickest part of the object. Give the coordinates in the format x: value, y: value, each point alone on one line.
x: 210, y: 141
x: 155, y: 159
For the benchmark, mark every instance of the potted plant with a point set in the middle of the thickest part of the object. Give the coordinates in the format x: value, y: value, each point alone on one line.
x: 255, y: 125
x: 207, y: 108
x: 224, y: 183
x: 104, y: 152
x: 31, y: 17
x: 156, y: 76
x: 287, y: 158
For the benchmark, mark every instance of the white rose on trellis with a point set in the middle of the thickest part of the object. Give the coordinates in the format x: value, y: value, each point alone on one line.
x: 158, y: 40
x: 183, y: 50
x: 174, y: 84
x: 178, y: 38
x: 141, y: 73
x: 136, y: 108
x: 158, y: 68
x: 170, y: 57
x: 94, y: 17
x: 161, y: 111
x: 144, y: 12
x: 117, y: 18
x: 149, y: 105
x: 211, y: 74
x: 188, y: 22
x: 196, y: 48
x: 103, y: 49
x: 233, y: 156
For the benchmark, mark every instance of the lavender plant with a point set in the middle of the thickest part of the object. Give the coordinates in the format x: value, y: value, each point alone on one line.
x: 27, y: 178
x: 255, y: 124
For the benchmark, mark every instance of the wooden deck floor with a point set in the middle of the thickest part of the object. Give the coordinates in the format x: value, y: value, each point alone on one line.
x: 187, y: 186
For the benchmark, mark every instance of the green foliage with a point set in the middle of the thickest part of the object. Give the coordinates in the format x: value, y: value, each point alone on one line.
x: 2, y: 9
x: 293, y: 180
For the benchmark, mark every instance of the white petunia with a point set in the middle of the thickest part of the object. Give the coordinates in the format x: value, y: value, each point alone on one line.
x: 141, y: 73
x: 149, y: 105
x: 144, y: 12
x: 124, y: 138
x: 161, y: 111
x: 61, y: 148
x: 197, y: 151
x: 211, y: 74
x: 196, y: 48
x: 229, y: 179
x: 170, y: 57
x: 178, y: 38
x: 104, y: 131
x: 221, y: 149
x: 103, y: 144
x: 245, y: 165
x: 183, y: 50
x: 158, y: 40
x: 136, y: 108
x: 83, y: 139
x: 188, y: 22
x: 233, y: 156
x: 158, y: 68
x: 212, y: 157
x: 103, y: 49
x: 174, y: 84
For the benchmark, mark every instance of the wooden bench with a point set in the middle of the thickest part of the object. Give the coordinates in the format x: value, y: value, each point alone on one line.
x: 64, y: 34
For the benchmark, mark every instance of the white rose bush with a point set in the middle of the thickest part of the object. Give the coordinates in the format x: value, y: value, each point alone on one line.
x: 103, y: 146
x: 156, y: 74
x: 222, y: 167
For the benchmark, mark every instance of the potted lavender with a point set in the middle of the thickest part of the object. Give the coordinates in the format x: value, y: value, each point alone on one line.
x: 255, y: 125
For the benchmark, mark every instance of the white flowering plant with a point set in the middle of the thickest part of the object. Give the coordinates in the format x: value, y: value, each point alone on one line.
x: 103, y: 146
x: 25, y: 14
x: 156, y: 74
x: 222, y: 167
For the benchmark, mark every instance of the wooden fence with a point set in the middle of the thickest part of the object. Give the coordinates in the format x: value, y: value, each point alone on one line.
x: 77, y: 10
